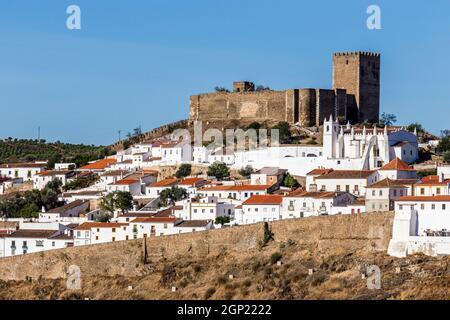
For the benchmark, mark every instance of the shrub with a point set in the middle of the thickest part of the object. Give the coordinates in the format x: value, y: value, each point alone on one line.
x: 275, y: 257
x: 255, y: 264
x: 209, y: 293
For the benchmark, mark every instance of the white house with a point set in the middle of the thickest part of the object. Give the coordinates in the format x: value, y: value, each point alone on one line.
x: 192, y: 185
x: 175, y: 152
x: 7, y: 183
x: 397, y: 169
x: 152, y: 190
x: 240, y: 192
x: 153, y: 226
x: 300, y: 203
x: 66, y: 212
x: 259, y: 208
x: 100, y: 232
x: 208, y: 208
x: 432, y: 186
x: 41, y: 179
x: 268, y: 176
x: 421, y: 224
x: 352, y: 181
x: 132, y: 186
x: 26, y: 171
x: 381, y: 195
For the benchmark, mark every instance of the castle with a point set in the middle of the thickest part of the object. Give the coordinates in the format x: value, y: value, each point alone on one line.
x: 355, y: 97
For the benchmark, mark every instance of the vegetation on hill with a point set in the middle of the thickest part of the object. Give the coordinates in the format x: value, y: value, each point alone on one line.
x: 22, y: 150
x: 30, y: 203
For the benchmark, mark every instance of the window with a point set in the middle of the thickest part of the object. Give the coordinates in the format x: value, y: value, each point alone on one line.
x: 401, y: 193
x: 98, y: 230
x: 195, y: 210
x: 422, y: 191
x: 400, y: 207
x: 438, y: 190
x: 347, y: 188
x: 422, y: 206
x: 113, y: 229
x: 433, y: 206
x: 443, y: 206
x: 126, y: 237
x: 373, y: 193
x: 113, y: 239
x: 323, y: 188
x: 338, y: 188
x: 165, y: 225
x: 256, y: 209
x: 381, y: 193
x: 39, y: 243
x: 96, y: 238
x: 53, y: 243
x: 78, y: 234
x: 211, y: 210
x: 395, y: 192
x: 356, y: 188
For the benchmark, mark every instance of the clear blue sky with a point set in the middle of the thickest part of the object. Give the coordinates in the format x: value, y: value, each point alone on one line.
x: 137, y: 62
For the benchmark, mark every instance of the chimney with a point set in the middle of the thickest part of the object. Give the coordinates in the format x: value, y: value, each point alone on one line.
x: 43, y: 209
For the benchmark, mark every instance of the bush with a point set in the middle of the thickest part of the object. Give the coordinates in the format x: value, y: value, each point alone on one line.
x: 246, y: 171
x: 446, y: 156
x: 255, y: 264
x: 209, y: 293
x: 183, y: 171
x: 275, y: 257
x: 218, y: 170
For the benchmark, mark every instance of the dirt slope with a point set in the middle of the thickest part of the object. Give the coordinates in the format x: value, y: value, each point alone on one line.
x: 319, y: 258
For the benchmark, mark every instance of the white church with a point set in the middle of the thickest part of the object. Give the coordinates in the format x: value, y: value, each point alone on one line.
x: 344, y: 148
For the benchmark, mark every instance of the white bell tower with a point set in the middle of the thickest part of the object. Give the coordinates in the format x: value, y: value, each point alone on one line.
x: 330, y: 137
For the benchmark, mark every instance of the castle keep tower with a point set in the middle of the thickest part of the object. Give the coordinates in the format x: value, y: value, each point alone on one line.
x: 359, y: 74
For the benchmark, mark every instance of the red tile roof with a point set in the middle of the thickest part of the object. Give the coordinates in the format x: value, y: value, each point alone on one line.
x: 155, y: 220
x: 99, y: 165
x: 311, y: 194
x: 164, y: 183
x: 90, y: 225
x: 433, y: 181
x: 347, y: 174
x: 397, y: 164
x: 190, y: 181
x: 245, y: 187
x: 125, y: 182
x: 264, y: 199
x: 319, y: 171
x: 388, y: 183
x: 425, y: 198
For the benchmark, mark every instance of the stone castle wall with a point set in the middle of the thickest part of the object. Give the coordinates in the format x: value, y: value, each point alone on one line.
x: 354, y: 96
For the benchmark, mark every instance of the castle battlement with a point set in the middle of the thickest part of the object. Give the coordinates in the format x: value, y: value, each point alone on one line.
x: 357, y: 53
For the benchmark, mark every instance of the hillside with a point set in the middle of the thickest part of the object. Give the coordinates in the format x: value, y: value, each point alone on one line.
x: 337, y: 248
x: 22, y: 150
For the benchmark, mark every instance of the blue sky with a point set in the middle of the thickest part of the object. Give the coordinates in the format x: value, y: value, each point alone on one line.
x: 136, y: 62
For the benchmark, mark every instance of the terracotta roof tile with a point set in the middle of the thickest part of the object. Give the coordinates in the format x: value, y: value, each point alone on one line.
x: 397, y: 164
x: 164, y: 183
x: 347, y: 174
x: 264, y: 199
x: 99, y: 165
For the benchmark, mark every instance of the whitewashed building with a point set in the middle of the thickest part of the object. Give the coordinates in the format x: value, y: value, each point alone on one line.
x: 421, y: 225
x: 260, y: 208
x: 26, y: 171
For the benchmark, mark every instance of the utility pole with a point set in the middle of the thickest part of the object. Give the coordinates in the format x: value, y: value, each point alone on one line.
x: 39, y: 133
x: 120, y: 131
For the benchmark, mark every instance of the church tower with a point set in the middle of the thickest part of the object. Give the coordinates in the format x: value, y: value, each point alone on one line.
x: 330, y: 137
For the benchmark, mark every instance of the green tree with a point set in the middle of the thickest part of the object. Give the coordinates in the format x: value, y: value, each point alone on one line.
x: 290, y: 182
x: 124, y: 200
x: 222, y: 220
x: 117, y: 200
x: 415, y: 126
x: 254, y: 125
x: 246, y: 171
x: 284, y: 130
x: 108, y: 203
x: 184, y: 170
x: 218, y: 170
x: 444, y: 144
x: 388, y: 119
x: 446, y: 156
x: 171, y: 195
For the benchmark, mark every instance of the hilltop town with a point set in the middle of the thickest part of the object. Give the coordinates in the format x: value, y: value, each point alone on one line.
x: 335, y: 156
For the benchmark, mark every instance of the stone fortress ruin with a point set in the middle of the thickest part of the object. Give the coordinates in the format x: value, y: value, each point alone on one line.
x: 354, y: 97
